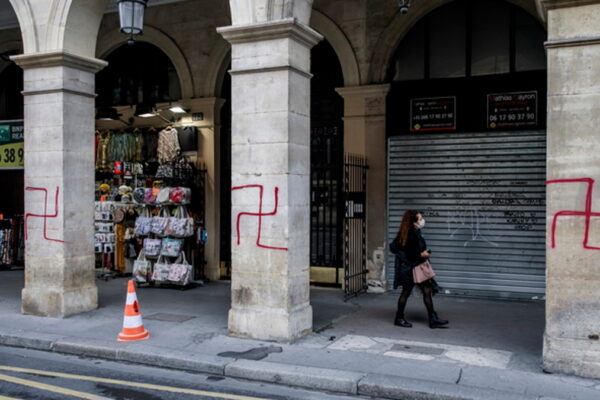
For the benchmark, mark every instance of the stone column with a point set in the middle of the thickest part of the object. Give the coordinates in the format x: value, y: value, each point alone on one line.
x: 270, y: 179
x: 364, y: 134
x: 571, y: 343
x: 209, y: 148
x: 59, y: 183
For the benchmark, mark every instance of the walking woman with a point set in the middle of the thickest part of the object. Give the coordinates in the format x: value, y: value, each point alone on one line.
x: 411, y: 250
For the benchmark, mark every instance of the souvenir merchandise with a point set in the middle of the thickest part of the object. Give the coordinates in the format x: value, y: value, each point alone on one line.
x: 160, y: 223
x: 180, y: 195
x: 12, y: 241
x: 161, y: 270
x: 144, y: 184
x: 164, y: 171
x: 188, y: 138
x: 183, y: 169
x: 180, y: 271
x: 149, y: 196
x: 141, y: 269
x: 139, y: 195
x: 143, y: 223
x: 181, y: 225
x: 163, y: 195
x: 168, y: 145
x: 171, y: 247
x: 152, y: 247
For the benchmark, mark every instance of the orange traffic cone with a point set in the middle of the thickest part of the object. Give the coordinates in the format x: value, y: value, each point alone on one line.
x: 133, y: 328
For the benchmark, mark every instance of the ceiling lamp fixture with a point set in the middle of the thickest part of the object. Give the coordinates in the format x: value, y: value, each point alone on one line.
x: 131, y: 15
x: 178, y: 110
x: 404, y: 5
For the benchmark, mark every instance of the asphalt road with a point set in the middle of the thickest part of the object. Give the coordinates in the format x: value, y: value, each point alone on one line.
x: 31, y: 375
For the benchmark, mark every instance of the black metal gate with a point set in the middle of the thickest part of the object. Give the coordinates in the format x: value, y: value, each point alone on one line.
x: 355, y: 227
x: 326, y: 207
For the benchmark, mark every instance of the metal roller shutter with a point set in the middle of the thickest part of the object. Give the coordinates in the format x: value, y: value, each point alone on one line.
x: 483, y: 196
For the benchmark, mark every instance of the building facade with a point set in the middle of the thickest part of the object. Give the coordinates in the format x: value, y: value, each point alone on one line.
x: 481, y: 115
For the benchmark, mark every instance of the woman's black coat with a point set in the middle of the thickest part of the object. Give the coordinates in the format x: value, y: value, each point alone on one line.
x: 407, y: 257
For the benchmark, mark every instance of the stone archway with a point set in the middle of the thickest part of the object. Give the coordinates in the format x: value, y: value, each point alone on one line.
x: 340, y: 43
x: 59, y: 38
x: 154, y: 36
x: 402, y: 24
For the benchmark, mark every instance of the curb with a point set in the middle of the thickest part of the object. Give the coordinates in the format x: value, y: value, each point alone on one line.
x: 323, y: 379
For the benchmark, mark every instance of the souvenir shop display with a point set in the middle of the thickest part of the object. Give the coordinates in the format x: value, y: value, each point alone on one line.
x: 12, y: 242
x: 166, y: 237
x: 149, y: 183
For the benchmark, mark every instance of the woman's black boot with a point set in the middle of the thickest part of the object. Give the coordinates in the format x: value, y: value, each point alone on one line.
x: 400, y: 321
x: 435, y: 322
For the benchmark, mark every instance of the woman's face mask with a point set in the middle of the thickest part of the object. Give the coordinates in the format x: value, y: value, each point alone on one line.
x: 420, y: 222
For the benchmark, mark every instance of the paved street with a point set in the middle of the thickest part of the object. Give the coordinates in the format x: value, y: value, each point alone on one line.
x: 31, y: 374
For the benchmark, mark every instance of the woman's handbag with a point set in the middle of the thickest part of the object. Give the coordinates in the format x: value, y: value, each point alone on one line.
x: 181, y: 225
x: 161, y: 270
x: 171, y: 247
x: 141, y: 268
x: 180, y: 271
x: 152, y: 247
x: 143, y: 223
x: 423, y: 272
x: 160, y: 223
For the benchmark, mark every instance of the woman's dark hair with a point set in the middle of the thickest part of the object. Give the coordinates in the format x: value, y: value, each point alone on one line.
x: 408, y: 222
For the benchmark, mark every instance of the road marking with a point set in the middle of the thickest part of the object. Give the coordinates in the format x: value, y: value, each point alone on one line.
x: 51, y: 388
x: 8, y: 398
x: 132, y: 384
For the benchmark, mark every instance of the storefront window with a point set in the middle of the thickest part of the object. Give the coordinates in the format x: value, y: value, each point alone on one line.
x: 447, y: 42
x: 530, y: 56
x: 138, y: 73
x: 410, y: 60
x: 470, y: 38
x: 490, y: 38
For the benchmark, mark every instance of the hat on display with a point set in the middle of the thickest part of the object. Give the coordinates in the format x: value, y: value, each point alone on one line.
x: 125, y: 190
x: 104, y: 188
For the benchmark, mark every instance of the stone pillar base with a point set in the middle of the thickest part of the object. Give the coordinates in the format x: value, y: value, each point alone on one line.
x: 270, y: 324
x: 579, y: 357
x: 46, y: 302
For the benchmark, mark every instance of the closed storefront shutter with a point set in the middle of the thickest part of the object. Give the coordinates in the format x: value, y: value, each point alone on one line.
x: 483, y: 196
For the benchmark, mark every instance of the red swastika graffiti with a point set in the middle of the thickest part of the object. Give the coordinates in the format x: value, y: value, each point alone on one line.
x: 587, y: 213
x: 259, y: 214
x: 45, y: 215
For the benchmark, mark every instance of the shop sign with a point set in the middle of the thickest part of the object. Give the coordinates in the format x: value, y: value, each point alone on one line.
x: 512, y: 110
x: 433, y: 114
x: 11, y: 144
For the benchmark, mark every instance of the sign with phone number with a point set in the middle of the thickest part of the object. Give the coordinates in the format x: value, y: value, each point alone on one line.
x: 11, y: 144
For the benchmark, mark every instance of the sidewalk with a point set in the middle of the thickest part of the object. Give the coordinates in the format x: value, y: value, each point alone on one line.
x: 492, y: 350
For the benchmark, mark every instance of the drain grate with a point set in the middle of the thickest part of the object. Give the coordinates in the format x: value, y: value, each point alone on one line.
x: 169, y: 317
x: 418, y: 349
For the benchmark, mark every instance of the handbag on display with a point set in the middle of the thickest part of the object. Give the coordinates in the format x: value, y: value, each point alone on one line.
x: 152, y: 247
x: 141, y: 268
x: 171, y: 247
x: 161, y: 270
x: 180, y: 271
x: 181, y: 195
x: 423, y: 272
x: 181, y: 225
x: 160, y: 223
x: 143, y: 223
